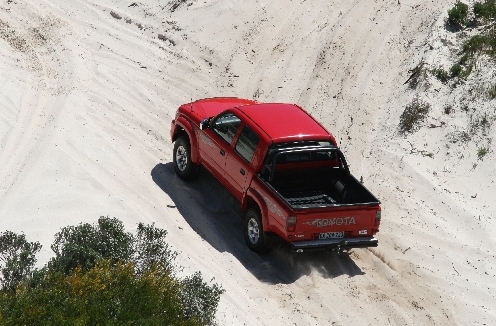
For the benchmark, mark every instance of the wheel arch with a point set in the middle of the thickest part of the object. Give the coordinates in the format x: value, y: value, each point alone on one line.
x: 253, y: 199
x: 184, y: 127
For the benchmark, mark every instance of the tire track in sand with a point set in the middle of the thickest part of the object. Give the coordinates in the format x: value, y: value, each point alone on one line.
x: 37, y: 43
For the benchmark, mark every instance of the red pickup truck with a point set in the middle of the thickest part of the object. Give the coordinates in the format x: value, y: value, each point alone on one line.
x: 283, y: 166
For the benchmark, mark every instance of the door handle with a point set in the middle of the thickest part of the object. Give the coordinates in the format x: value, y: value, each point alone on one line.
x: 242, y: 171
x: 222, y: 152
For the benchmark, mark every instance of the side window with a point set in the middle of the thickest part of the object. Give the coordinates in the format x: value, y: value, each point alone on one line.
x: 226, y: 126
x: 247, y: 143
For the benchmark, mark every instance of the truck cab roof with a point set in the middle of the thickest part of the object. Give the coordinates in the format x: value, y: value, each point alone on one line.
x: 284, y: 122
x: 281, y: 122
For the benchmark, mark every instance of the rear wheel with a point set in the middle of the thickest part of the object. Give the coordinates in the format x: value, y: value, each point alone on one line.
x: 184, y: 167
x: 254, y: 233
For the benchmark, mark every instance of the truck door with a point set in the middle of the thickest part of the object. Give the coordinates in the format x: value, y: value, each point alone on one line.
x: 238, y: 165
x: 216, y: 142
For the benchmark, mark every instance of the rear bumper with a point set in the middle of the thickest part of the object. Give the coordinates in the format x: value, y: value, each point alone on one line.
x: 340, y: 244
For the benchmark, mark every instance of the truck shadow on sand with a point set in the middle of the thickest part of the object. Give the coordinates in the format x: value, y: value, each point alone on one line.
x: 212, y: 212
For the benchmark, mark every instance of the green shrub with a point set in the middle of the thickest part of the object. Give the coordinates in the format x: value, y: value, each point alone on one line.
x: 481, y: 152
x: 455, y: 70
x: 17, y: 258
x: 85, y: 244
x: 491, y: 43
x: 440, y: 74
x: 415, y: 112
x: 485, y: 10
x: 200, y: 300
x: 457, y: 16
x: 106, y: 294
x: 484, y: 42
x: 480, y: 124
x: 466, y: 72
x: 149, y: 248
x: 491, y: 91
x: 475, y: 44
x: 103, y: 275
x: 463, y: 59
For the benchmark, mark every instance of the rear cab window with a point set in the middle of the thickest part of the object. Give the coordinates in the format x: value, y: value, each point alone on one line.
x: 302, y: 155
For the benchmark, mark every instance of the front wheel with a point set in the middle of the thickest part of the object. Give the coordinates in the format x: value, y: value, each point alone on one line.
x: 254, y: 233
x: 184, y: 167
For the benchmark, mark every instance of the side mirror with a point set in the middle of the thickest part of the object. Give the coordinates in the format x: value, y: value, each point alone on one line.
x: 205, y: 124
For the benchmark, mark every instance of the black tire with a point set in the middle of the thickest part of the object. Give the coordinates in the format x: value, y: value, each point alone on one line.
x: 254, y: 233
x: 184, y: 167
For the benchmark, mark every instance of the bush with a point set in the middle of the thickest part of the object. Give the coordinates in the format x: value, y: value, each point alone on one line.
x: 85, y: 244
x: 106, y: 294
x: 491, y: 91
x: 455, y: 70
x: 415, y: 112
x: 440, y: 74
x: 150, y: 248
x: 104, y: 275
x: 485, y: 10
x: 482, y: 43
x: 481, y: 152
x: 457, y: 16
x: 475, y: 44
x: 200, y: 300
x: 17, y: 258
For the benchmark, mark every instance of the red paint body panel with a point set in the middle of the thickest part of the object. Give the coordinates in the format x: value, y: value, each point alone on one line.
x: 273, y: 123
x: 285, y: 122
x: 208, y: 108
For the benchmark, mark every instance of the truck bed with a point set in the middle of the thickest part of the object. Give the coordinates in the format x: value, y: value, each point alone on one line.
x: 320, y: 187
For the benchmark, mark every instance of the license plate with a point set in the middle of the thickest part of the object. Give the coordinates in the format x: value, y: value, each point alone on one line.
x: 331, y: 235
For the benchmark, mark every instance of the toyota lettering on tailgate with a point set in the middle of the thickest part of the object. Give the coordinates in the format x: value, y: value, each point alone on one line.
x: 332, y: 221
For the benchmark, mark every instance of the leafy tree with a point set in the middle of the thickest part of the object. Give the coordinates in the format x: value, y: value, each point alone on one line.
x: 17, y: 258
x: 85, y: 244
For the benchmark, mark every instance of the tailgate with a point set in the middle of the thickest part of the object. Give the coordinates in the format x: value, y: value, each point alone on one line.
x: 351, y: 222
x: 339, y: 227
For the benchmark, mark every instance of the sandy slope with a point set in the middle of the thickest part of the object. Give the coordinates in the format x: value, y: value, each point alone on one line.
x: 88, y: 89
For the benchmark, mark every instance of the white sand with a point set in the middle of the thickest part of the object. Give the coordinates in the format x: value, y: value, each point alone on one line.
x: 86, y: 103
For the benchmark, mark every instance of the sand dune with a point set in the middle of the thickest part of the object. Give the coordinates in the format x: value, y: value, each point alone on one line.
x: 88, y: 90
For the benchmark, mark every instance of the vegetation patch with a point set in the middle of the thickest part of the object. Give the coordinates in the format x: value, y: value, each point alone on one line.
x: 17, y: 258
x: 440, y: 74
x: 101, y: 275
x: 457, y: 16
x: 481, y: 15
x: 414, y: 114
x: 481, y: 152
x: 480, y: 124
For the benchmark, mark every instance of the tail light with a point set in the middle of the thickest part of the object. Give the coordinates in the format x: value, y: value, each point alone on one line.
x: 291, y: 224
x: 377, y: 220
